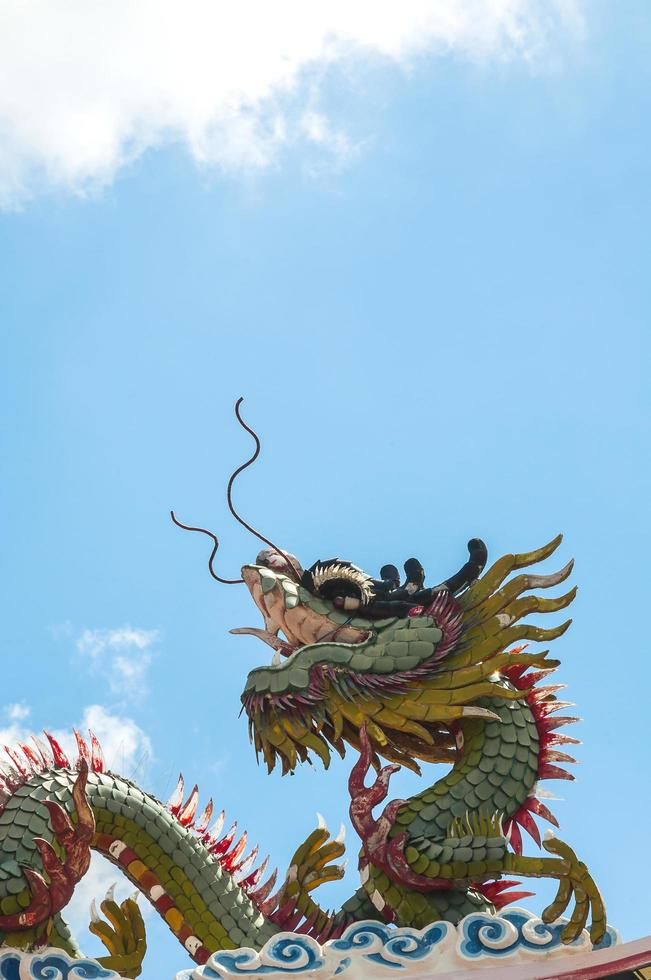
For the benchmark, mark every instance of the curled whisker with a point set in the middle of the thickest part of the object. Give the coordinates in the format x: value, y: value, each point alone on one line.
x: 215, y: 539
x: 229, y: 490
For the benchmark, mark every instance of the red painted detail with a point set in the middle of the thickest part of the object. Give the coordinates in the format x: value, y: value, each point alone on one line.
x: 416, y: 611
x: 216, y: 829
x: 546, y: 691
x: 32, y: 757
x: 254, y: 877
x: 449, y: 618
x: 526, y: 821
x: 127, y: 856
x: 96, y: 754
x: 229, y: 861
x: 498, y: 892
x: 379, y: 850
x: 43, y: 751
x: 221, y: 846
x: 185, y: 815
x: 547, y: 771
x: 204, y: 819
x: 554, y: 738
x: 12, y: 778
x: 539, y: 808
x: 305, y: 928
x: 549, y: 707
x: 543, y: 704
x: 103, y: 842
x: 260, y: 895
x: 549, y: 724
x: 553, y: 756
x: 201, y: 956
x: 247, y: 861
x: 148, y: 880
x: 164, y: 904
x: 515, y: 837
x: 18, y: 763
x: 176, y: 799
x: 83, y: 755
x: 536, y: 675
x: 286, y: 917
x: 60, y: 758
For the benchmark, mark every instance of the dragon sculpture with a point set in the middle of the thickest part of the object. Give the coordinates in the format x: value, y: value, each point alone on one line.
x: 401, y: 673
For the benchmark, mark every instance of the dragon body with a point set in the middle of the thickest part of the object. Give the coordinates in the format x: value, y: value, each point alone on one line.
x: 450, y: 681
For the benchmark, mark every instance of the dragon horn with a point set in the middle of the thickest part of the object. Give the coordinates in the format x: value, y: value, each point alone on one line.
x: 468, y: 573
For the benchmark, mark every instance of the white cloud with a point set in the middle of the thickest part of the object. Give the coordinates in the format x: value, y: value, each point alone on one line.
x: 123, y: 655
x: 17, y: 712
x: 127, y: 749
x: 97, y: 642
x: 86, y: 86
x: 125, y: 745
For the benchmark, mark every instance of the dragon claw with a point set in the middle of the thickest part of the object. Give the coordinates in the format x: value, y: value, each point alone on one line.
x: 575, y: 881
x: 123, y: 935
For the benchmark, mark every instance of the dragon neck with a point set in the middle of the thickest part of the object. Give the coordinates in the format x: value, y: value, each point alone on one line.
x: 496, y: 773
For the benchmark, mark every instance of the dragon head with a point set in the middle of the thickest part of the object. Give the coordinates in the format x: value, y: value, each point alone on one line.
x: 411, y: 680
x: 405, y: 664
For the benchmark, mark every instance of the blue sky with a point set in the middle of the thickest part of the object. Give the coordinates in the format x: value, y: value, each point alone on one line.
x: 435, y: 300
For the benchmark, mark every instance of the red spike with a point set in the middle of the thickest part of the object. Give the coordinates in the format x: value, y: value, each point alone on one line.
x: 551, y: 755
x: 547, y: 771
x: 254, y: 877
x: 186, y: 814
x: 537, y: 675
x: 509, y: 897
x: 308, y: 925
x: 43, y: 751
x: 496, y: 887
x: 18, y: 763
x: 222, y: 845
x: 515, y: 837
x: 176, y: 799
x: 260, y: 895
x: 549, y: 724
x: 82, y: 750
x: 204, y: 819
x: 12, y: 778
x: 229, y: 861
x: 546, y: 691
x: 514, y: 672
x: 525, y: 820
x: 246, y: 862
x: 211, y: 835
x: 96, y: 754
x: 545, y: 708
x: 536, y: 806
x: 33, y: 757
x: 553, y: 738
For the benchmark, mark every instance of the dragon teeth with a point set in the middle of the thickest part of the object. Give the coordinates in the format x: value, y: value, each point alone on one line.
x: 276, y: 660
